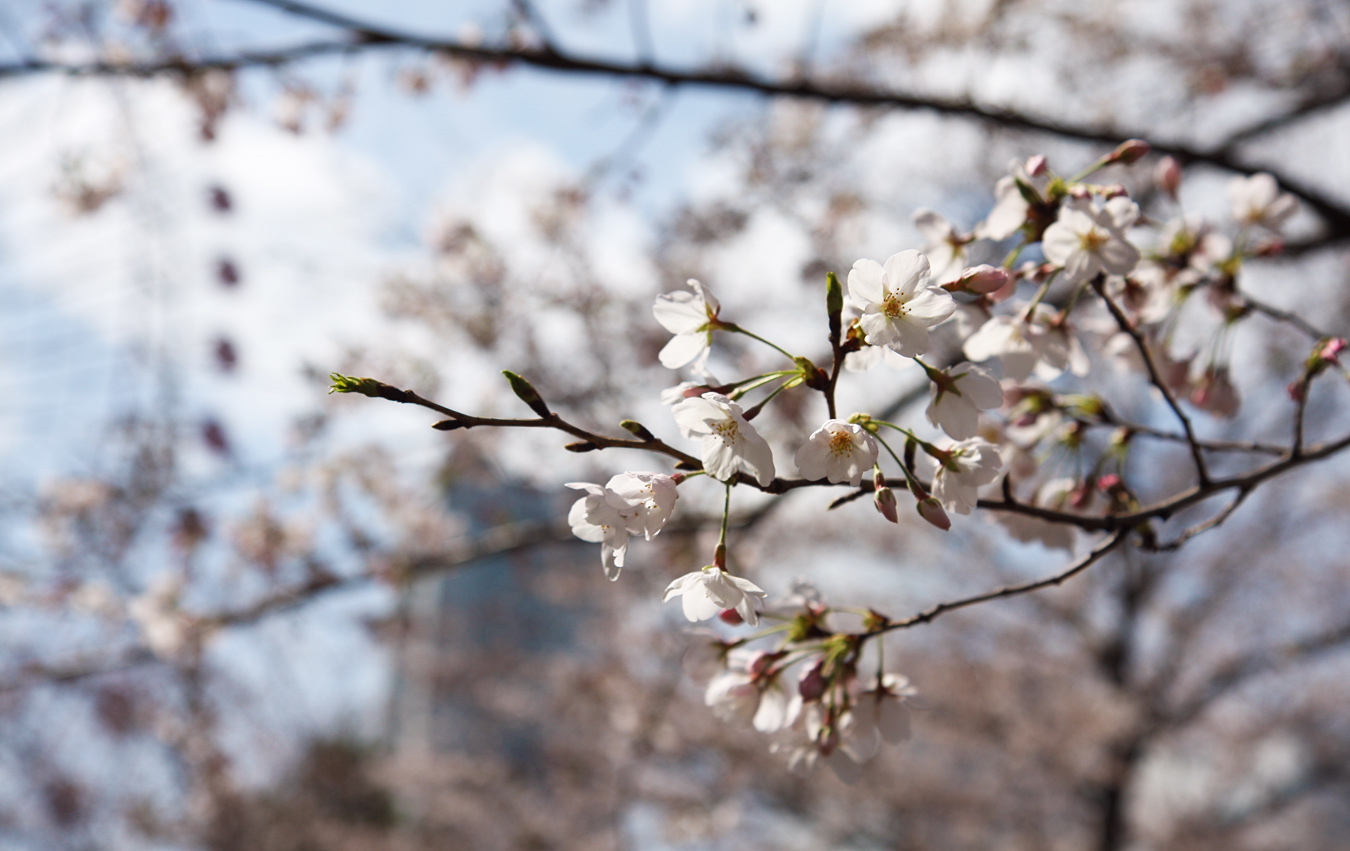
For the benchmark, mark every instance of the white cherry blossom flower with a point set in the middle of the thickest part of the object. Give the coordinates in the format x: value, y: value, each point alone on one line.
x: 687, y: 316
x: 706, y: 592
x: 880, y: 714
x: 830, y: 743
x: 649, y: 499
x: 730, y: 443
x: 599, y: 517
x: 1024, y: 346
x: 750, y: 690
x: 958, y: 395
x: 838, y: 451
x: 969, y: 465
x: 164, y: 626
x: 898, y: 304
x: 1010, y: 208
x: 944, y: 246
x: 1089, y: 239
x: 1258, y: 201
x: 1053, y: 494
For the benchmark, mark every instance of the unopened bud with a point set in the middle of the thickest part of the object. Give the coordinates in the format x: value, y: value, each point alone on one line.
x: 1297, y: 389
x: 1168, y: 175
x: 1037, y: 165
x: 932, y: 511
x: 885, y: 503
x: 812, y: 684
x: 731, y: 617
x: 447, y: 425
x: 581, y: 446
x: 761, y: 661
x: 983, y: 279
x: 525, y: 390
x: 636, y: 429
x: 1331, y: 349
x: 1129, y: 151
x: 1107, y: 483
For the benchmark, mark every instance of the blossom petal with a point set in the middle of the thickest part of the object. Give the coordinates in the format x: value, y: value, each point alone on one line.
x: 682, y: 349
x: 906, y: 272
x: 865, y: 282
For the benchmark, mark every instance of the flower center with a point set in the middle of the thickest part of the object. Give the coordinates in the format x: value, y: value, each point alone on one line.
x: 1093, y: 240
x: 727, y: 430
x: 894, y: 306
x: 841, y: 443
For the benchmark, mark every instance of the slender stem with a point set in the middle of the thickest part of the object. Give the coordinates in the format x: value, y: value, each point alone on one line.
x: 1155, y: 375
x: 728, y: 326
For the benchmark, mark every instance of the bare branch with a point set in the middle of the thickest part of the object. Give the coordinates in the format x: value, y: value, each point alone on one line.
x: 1006, y: 591
x: 1245, y: 668
x: 1155, y: 376
x: 363, y: 36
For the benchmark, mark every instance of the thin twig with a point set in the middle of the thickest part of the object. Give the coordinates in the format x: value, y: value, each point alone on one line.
x: 1156, y: 377
x: 366, y: 36
x: 1006, y: 591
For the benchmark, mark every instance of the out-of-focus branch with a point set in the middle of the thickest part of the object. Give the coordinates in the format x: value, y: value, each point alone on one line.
x: 79, y: 670
x: 363, y: 35
x: 1244, y: 668
x: 1155, y: 377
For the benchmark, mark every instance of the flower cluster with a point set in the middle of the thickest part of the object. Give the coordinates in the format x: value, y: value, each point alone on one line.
x: 1003, y: 349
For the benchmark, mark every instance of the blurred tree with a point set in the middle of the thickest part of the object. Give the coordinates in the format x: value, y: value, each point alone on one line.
x: 1159, y: 700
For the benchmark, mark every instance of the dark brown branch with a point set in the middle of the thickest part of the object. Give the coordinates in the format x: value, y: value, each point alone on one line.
x: 1285, y: 316
x: 1006, y: 591
x: 1155, y: 376
x: 1239, y: 671
x: 364, y: 36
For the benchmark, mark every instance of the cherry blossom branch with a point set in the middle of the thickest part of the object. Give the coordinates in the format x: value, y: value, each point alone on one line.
x: 1155, y: 377
x: 363, y: 36
x: 1281, y: 315
x: 1204, y: 526
x: 928, y: 615
x: 78, y: 671
x: 1109, y: 417
x: 643, y: 440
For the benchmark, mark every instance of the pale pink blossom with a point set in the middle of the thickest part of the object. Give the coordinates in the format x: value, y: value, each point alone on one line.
x: 898, y: 303
x: 958, y: 394
x: 1089, y: 239
x: 880, y: 714
x: 730, y: 443
x: 649, y: 499
x: 838, y: 451
x: 1023, y: 346
x: 967, y: 466
x: 945, y: 247
x: 1258, y: 201
x: 598, y: 517
x: 704, y: 593
x: 687, y: 315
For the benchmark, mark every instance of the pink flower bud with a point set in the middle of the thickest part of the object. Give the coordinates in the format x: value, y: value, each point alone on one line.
x: 1107, y: 482
x: 731, y: 617
x: 1296, y: 390
x: 812, y: 683
x: 1130, y: 151
x: 1331, y: 349
x: 931, y: 510
x: 1037, y: 165
x: 1168, y: 175
x: 885, y: 503
x: 760, y: 661
x: 984, y: 279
